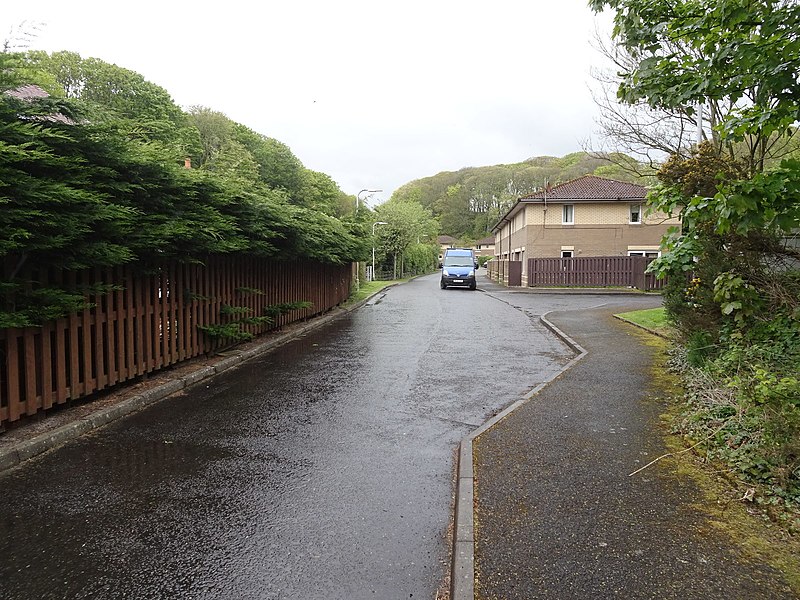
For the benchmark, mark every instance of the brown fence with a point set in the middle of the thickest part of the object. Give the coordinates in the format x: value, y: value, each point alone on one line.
x: 505, y: 272
x: 151, y: 321
x: 595, y: 271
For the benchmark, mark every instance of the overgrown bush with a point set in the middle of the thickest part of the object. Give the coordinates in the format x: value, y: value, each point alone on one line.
x: 84, y: 184
x: 743, y: 403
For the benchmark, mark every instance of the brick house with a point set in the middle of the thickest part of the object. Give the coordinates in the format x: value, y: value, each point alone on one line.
x: 588, y: 216
x: 485, y: 247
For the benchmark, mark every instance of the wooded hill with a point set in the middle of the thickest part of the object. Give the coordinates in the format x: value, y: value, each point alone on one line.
x: 468, y: 202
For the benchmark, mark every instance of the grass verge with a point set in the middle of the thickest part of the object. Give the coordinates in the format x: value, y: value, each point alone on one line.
x: 652, y: 319
x: 369, y: 288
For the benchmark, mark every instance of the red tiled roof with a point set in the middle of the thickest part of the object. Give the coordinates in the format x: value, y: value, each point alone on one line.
x: 591, y: 187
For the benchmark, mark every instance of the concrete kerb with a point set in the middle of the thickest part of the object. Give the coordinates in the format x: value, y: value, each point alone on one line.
x: 14, y: 455
x: 462, y: 581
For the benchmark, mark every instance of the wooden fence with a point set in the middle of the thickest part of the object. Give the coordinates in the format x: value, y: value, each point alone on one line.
x: 152, y: 320
x: 505, y: 272
x: 593, y: 271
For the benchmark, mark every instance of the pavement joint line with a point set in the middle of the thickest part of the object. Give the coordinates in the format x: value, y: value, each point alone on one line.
x: 15, y: 455
x: 462, y: 579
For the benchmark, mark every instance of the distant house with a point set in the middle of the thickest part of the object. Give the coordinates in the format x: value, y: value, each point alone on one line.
x: 588, y: 216
x: 445, y: 242
x: 485, y: 247
x: 31, y: 93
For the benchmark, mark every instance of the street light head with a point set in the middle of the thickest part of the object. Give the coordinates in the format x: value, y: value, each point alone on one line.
x: 376, y: 223
x: 358, y: 195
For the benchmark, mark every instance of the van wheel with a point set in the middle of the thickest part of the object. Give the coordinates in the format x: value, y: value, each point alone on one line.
x: 442, y: 285
x: 473, y: 286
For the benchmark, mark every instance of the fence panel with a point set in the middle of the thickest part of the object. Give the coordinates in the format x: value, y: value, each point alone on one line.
x: 149, y: 320
x: 592, y: 271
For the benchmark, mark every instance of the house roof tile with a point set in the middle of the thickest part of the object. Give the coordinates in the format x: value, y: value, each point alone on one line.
x: 588, y: 188
x: 32, y: 92
x: 591, y: 187
x: 27, y: 92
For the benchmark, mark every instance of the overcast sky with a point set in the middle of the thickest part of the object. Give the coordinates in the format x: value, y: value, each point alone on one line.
x: 374, y: 95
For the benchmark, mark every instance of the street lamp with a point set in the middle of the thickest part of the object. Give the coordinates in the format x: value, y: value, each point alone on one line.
x: 373, y: 246
x: 358, y: 199
x: 358, y: 195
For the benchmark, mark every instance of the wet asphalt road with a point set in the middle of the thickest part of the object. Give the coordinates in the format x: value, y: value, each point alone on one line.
x: 321, y: 470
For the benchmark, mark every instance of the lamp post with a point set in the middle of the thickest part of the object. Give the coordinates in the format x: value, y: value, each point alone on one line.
x: 373, y: 245
x: 355, y: 214
x: 358, y: 195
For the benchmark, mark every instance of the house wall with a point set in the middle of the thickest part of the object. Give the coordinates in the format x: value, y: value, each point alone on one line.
x: 510, y: 239
x: 600, y: 229
x: 484, y: 250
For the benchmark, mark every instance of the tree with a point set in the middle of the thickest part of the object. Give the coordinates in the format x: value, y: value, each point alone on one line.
x: 741, y: 55
x: 407, y: 224
x: 278, y: 167
x: 214, y: 129
x: 78, y: 192
x: 635, y: 129
x: 740, y: 314
x: 115, y: 94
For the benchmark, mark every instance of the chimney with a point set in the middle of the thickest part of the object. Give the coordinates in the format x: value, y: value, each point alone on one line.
x: 187, y: 163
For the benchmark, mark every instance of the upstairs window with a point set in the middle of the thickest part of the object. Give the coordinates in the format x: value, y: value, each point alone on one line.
x: 568, y: 215
x: 636, y: 213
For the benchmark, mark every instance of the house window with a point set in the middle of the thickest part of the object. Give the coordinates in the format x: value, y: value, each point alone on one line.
x: 646, y: 253
x: 636, y: 213
x: 566, y: 254
x: 568, y: 215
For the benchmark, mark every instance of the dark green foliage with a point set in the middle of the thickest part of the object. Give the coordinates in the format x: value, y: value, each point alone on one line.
x: 237, y: 318
x: 231, y: 332
x: 276, y: 310
x: 249, y: 290
x: 737, y: 197
x: 28, y: 304
x: 26, y: 307
x: 278, y: 168
x: 114, y: 94
x: 745, y: 403
x: 227, y: 310
x: 97, y: 178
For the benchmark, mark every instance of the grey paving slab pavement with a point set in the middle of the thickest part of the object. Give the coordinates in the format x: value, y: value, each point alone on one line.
x: 557, y: 514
